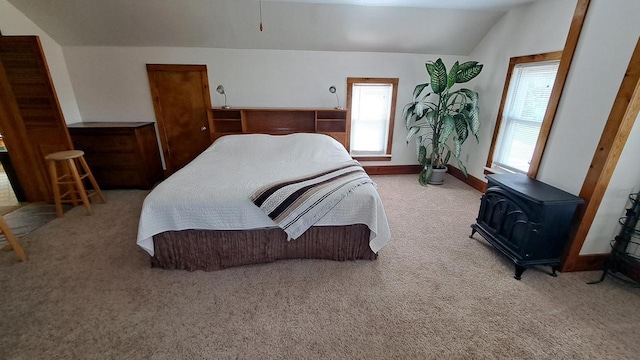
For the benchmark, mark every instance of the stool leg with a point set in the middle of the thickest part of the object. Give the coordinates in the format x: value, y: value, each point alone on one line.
x: 53, y: 173
x: 93, y: 181
x: 12, y: 240
x: 81, y: 190
x: 71, y: 188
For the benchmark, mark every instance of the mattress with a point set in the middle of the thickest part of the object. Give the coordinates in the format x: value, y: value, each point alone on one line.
x: 212, y: 192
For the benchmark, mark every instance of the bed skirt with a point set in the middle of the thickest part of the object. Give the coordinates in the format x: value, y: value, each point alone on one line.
x: 210, y: 250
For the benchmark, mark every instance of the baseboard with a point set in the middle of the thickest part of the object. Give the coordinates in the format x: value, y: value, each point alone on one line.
x: 393, y: 169
x: 471, y: 180
x: 586, y: 263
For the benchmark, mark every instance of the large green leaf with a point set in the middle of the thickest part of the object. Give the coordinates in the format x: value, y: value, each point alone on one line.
x: 470, y: 94
x: 412, y: 132
x: 457, y: 147
x: 419, y: 89
x: 438, y: 76
x: 423, y: 123
x: 453, y: 73
x: 467, y: 65
x: 468, y: 74
x: 422, y: 155
x: 409, y: 114
x: 430, y: 70
x: 448, y: 125
x: 446, y: 158
x: 461, y: 127
x: 474, y: 122
x: 462, y: 168
x: 431, y: 116
x: 419, y: 109
x: 425, y: 175
x: 425, y: 96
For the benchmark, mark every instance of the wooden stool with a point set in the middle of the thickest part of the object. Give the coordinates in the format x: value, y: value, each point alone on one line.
x: 71, y: 179
x: 13, y: 243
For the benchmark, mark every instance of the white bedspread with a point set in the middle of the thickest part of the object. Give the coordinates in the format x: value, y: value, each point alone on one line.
x: 212, y: 192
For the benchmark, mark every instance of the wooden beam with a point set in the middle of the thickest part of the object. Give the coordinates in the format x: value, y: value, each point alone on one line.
x: 590, y: 262
x: 614, y: 136
x: 561, y: 77
x: 15, y: 137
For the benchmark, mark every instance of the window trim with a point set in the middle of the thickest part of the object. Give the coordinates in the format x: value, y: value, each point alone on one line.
x: 548, y: 116
x: 392, y: 110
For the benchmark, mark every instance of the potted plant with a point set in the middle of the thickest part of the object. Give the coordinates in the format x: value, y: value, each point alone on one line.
x: 442, y: 119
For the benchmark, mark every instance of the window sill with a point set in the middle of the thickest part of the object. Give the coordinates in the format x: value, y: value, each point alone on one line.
x: 371, y: 157
x: 488, y: 170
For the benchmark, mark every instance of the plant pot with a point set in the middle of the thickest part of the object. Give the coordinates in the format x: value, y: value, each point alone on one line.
x: 437, y: 176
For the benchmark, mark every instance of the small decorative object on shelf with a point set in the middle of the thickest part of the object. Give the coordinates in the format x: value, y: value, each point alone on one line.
x: 624, y: 261
x: 220, y: 90
x: 332, y: 89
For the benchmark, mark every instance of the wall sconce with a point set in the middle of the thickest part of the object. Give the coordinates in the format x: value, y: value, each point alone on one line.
x: 332, y: 89
x: 220, y: 90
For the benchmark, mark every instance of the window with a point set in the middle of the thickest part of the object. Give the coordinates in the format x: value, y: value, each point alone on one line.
x: 530, y: 83
x: 372, y: 104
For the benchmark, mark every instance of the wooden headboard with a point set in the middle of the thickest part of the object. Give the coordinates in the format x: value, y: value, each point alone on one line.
x: 278, y: 121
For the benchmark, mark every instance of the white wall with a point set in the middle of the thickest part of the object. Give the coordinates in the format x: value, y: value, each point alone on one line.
x: 112, y: 85
x: 607, y: 40
x: 609, y: 35
x: 625, y: 180
x: 534, y: 28
x: 14, y: 22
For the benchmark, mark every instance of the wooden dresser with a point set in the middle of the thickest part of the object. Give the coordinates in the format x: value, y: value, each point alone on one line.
x: 120, y: 154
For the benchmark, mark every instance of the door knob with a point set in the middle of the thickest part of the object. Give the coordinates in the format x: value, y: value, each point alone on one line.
x: 203, y: 128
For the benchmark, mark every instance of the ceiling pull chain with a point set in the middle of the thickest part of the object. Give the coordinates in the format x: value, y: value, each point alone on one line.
x: 260, y: 2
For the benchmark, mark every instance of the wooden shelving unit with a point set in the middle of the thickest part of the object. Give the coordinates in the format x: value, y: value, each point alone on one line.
x: 279, y: 121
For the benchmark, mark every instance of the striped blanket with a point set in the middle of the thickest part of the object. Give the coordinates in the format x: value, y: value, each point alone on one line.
x: 296, y: 204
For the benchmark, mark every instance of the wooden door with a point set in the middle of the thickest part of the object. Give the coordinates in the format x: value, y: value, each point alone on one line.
x: 181, y: 100
x: 31, y: 120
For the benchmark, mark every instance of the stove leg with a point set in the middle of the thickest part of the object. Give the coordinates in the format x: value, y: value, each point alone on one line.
x: 519, y: 271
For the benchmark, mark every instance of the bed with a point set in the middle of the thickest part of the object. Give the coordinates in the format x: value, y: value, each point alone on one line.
x: 202, y: 217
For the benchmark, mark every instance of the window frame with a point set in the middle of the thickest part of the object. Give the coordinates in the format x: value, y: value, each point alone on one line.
x: 392, y: 111
x: 548, y: 116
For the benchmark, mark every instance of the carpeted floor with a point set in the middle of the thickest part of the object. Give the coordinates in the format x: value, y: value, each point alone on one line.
x: 87, y: 292
x: 5, y: 209
x: 26, y: 218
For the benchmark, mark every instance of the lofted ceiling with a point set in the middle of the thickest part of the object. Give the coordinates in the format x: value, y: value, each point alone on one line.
x: 446, y: 27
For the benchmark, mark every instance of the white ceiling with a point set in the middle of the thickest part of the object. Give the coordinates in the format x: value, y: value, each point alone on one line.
x: 445, y: 27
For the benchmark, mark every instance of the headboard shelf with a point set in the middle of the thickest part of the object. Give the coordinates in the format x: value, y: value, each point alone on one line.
x: 275, y: 121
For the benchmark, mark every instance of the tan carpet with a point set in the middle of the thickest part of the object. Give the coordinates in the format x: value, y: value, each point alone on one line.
x: 5, y: 209
x: 87, y: 292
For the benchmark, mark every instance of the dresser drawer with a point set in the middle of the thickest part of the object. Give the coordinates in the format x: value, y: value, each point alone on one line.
x: 122, y: 178
x: 114, y: 160
x: 105, y: 143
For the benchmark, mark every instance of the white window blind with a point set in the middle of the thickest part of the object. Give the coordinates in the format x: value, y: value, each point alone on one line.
x: 370, y: 115
x: 527, y: 99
